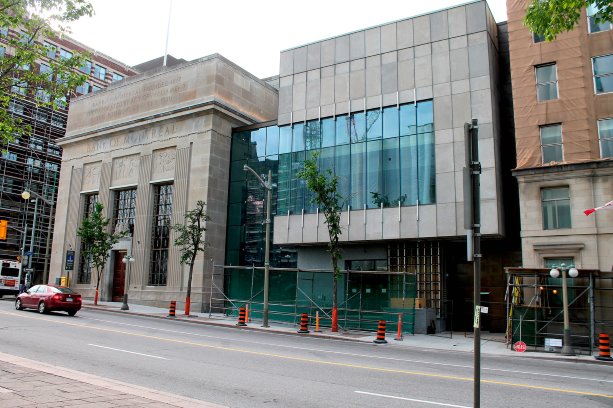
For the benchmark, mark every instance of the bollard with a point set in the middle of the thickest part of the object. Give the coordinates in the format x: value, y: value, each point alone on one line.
x: 304, y: 321
x: 241, y: 317
x: 604, y: 347
x: 380, y: 333
x: 172, y: 310
x: 399, y: 335
x: 317, y: 322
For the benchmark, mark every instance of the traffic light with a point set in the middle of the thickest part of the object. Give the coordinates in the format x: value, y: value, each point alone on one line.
x: 4, y: 224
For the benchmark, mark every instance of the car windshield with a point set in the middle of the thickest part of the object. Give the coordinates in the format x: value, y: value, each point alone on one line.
x: 61, y: 289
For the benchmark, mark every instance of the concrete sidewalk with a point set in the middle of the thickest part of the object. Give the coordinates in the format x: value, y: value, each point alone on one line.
x: 28, y: 383
x: 491, y: 343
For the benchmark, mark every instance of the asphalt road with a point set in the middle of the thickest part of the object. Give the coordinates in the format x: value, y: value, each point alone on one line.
x: 240, y: 368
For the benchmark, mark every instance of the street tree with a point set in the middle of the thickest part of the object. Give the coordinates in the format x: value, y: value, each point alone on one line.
x: 550, y: 18
x: 26, y: 70
x: 97, y: 242
x: 324, y: 186
x: 190, y: 241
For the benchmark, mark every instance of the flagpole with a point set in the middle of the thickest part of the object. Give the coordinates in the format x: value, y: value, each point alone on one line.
x: 167, y: 33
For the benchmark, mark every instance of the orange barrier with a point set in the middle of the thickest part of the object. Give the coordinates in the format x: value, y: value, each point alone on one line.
x: 604, y: 347
x: 380, y: 333
x: 317, y: 322
x: 304, y: 323
x: 172, y: 310
x: 399, y: 336
x: 241, y: 317
x: 247, y: 313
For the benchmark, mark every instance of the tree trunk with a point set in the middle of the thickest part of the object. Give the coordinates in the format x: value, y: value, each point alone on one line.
x: 97, y: 287
x: 189, y: 287
x: 334, y: 297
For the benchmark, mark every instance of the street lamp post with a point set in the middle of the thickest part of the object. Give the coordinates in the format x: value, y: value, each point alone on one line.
x: 128, y: 260
x: 268, y: 186
x: 26, y: 196
x: 567, y: 349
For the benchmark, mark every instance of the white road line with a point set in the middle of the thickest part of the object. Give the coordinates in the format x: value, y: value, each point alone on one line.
x: 403, y: 360
x: 126, y: 351
x: 412, y: 399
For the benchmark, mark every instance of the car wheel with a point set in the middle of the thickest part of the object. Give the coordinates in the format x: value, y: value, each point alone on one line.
x: 18, y: 305
x: 72, y: 312
x: 42, y: 308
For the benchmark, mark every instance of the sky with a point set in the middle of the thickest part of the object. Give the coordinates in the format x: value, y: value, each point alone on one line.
x: 247, y: 32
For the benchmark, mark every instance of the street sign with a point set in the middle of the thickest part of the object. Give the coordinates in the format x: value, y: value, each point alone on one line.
x: 69, y: 264
x: 520, y: 346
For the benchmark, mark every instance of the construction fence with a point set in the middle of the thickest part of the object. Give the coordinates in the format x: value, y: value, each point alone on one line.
x: 364, y: 297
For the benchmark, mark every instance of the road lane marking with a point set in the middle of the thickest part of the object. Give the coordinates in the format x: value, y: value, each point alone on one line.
x: 127, y: 351
x: 313, y: 361
x: 403, y: 360
x: 411, y: 399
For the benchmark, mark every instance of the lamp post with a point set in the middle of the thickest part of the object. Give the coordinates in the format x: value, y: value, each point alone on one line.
x: 555, y: 272
x: 26, y: 196
x: 128, y: 260
x: 268, y: 186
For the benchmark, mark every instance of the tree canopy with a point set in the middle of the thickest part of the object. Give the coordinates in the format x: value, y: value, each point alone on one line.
x: 29, y: 67
x: 550, y: 18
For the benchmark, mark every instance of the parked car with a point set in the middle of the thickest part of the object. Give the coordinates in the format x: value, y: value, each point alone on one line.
x: 46, y: 298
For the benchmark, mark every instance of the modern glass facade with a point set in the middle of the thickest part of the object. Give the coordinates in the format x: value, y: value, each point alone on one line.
x: 383, y: 157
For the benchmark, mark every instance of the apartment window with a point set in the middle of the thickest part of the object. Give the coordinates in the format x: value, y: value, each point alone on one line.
x: 41, y: 116
x: 546, y: 82
x: 593, y: 25
x: 65, y: 54
x: 61, y: 103
x: 18, y: 87
x: 52, y: 166
x: 95, y: 88
x: 603, y: 73
x: 46, y: 70
x: 16, y: 107
x: 117, y: 77
x: 36, y: 143
x: 9, y: 156
x: 556, y: 208
x: 158, y: 272
x: 551, y: 143
x: 100, y: 72
x: 33, y: 164
x: 85, y: 267
x: 86, y: 67
x: 125, y: 210
x: 51, y: 49
x: 43, y: 96
x: 83, y: 89
x: 605, y: 136
x: 537, y: 38
x: 54, y: 150
x: 58, y: 121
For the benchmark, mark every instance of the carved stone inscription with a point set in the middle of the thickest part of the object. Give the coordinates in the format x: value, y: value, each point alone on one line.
x: 135, y: 137
x: 163, y: 166
x: 91, y: 176
x: 125, y: 170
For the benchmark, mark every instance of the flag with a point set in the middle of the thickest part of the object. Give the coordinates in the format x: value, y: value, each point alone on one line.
x: 607, y: 206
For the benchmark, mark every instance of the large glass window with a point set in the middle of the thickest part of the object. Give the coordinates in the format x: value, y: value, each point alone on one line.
x: 85, y: 266
x: 100, y: 72
x: 546, y: 82
x: 162, y: 210
x: 556, y: 208
x: 605, y: 135
x: 592, y: 16
x: 51, y: 49
x: 86, y: 67
x: 125, y: 210
x: 116, y: 77
x: 551, y: 143
x: 603, y: 73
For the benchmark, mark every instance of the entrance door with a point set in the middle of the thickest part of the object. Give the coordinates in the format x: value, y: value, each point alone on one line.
x: 119, y: 276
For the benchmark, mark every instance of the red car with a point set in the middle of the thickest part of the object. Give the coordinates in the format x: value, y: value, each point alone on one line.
x: 46, y: 298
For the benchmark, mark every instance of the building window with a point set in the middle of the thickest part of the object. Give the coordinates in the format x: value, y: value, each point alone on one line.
x: 551, y: 143
x: 9, y: 156
x: 16, y: 107
x: 43, y: 96
x: 19, y: 87
x: 65, y: 54
x: 605, y: 136
x: 593, y: 25
x: 158, y: 272
x: 603, y: 73
x: 86, y: 67
x: 95, y: 88
x: 546, y: 82
x: 4, y: 31
x: 100, y: 72
x: 125, y: 210
x: 51, y: 49
x: 46, y: 70
x: 556, y: 208
x: 85, y: 267
x: 52, y: 166
x: 537, y: 38
x: 36, y: 144
x: 54, y: 150
x: 25, y: 38
x: 83, y: 89
x: 117, y: 77
x: 58, y: 120
x: 2, y: 51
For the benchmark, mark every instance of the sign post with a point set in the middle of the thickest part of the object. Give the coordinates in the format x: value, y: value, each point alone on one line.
x: 69, y: 264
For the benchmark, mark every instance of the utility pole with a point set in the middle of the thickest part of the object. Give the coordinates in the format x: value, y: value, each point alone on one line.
x: 472, y: 222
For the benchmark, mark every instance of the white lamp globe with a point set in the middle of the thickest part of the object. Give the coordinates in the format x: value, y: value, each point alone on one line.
x: 554, y: 273
x: 573, y: 272
x: 124, y: 260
